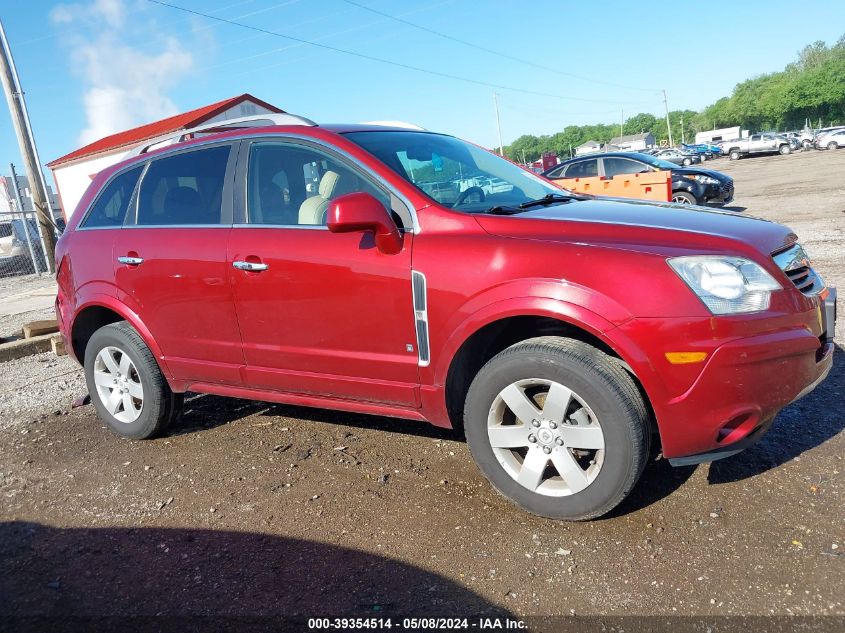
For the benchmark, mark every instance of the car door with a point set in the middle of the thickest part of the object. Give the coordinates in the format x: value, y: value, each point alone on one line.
x: 319, y: 312
x: 170, y: 262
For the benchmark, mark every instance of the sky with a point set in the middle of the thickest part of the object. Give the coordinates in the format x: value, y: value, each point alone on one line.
x: 93, y: 67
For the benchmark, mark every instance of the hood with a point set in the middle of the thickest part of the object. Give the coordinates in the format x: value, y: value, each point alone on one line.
x: 696, y: 171
x: 657, y: 226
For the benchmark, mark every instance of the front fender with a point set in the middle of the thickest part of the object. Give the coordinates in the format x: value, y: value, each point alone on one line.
x: 570, y: 303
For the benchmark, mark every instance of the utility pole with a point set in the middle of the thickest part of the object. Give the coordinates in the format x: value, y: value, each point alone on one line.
x: 26, y: 142
x: 668, y: 124
x: 622, y: 121
x: 683, y: 136
x: 19, y: 204
x: 498, y: 123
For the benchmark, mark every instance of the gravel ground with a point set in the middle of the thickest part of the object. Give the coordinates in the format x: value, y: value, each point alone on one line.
x: 250, y: 508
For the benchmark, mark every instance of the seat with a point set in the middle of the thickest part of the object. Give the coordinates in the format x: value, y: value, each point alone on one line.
x: 182, y: 205
x: 313, y: 210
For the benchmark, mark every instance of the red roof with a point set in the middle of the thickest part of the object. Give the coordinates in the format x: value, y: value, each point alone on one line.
x: 151, y: 130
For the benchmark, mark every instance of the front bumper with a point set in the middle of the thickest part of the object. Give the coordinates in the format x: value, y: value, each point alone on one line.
x: 754, y: 368
x: 720, y: 194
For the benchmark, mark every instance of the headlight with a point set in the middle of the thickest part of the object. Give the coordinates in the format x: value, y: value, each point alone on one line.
x: 726, y: 285
x: 706, y: 180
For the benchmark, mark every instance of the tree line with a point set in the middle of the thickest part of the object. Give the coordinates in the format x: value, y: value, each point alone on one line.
x: 812, y: 87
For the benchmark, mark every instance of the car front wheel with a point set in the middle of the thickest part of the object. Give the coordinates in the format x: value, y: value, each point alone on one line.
x: 557, y: 427
x: 127, y: 388
x: 683, y: 197
x: 735, y: 155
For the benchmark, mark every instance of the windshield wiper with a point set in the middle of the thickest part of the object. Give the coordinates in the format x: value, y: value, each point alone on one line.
x: 504, y: 210
x: 552, y: 198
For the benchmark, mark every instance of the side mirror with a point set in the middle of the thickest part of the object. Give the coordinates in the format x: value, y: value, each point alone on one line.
x: 360, y: 211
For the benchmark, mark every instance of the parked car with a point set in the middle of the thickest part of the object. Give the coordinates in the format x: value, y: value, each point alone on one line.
x: 704, y: 150
x: 756, y: 144
x: 831, y: 140
x: 14, y: 252
x: 566, y: 335
x: 678, y: 157
x: 690, y: 185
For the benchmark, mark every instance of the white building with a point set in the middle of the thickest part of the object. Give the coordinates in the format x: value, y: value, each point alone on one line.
x: 590, y: 147
x: 633, y: 142
x: 73, y: 172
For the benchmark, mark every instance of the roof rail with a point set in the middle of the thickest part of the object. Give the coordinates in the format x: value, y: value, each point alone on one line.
x: 257, y: 120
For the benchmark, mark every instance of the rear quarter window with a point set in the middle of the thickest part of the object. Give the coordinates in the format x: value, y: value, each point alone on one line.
x: 109, y: 209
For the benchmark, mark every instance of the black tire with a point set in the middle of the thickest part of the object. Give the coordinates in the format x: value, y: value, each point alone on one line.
x: 687, y: 162
x: 833, y: 145
x: 735, y: 155
x: 160, y: 405
x: 608, y: 390
x: 785, y: 149
x: 683, y: 197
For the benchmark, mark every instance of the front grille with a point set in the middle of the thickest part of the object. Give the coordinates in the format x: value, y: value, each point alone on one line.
x: 726, y: 190
x: 794, y: 262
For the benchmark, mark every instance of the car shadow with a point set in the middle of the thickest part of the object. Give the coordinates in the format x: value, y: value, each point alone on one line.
x: 801, y: 426
x: 204, y: 412
x: 192, y: 579
x: 733, y: 207
x: 659, y: 479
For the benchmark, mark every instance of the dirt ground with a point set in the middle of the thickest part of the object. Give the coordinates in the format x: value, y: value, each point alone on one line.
x: 248, y: 508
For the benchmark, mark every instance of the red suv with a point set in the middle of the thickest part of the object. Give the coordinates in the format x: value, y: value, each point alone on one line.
x: 410, y: 274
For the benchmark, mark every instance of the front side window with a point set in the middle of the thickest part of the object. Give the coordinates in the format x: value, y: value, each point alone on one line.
x: 293, y: 185
x: 454, y: 173
x: 110, y: 207
x: 184, y: 190
x: 616, y: 166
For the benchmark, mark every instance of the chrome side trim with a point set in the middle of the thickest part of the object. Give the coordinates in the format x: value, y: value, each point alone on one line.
x: 310, y: 227
x: 419, y: 291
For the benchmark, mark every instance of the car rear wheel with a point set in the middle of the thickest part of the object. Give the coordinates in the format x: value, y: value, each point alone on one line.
x: 126, y: 385
x: 735, y: 155
x: 833, y: 145
x: 557, y: 427
x: 683, y: 197
x: 687, y: 162
x: 785, y: 149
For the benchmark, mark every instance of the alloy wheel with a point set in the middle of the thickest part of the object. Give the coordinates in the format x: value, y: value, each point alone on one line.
x: 546, y: 437
x: 118, y: 384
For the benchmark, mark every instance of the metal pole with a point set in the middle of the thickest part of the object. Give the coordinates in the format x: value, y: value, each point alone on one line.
x: 19, y: 204
x: 23, y: 131
x: 622, y: 121
x: 498, y: 123
x: 683, y: 136
x: 668, y: 125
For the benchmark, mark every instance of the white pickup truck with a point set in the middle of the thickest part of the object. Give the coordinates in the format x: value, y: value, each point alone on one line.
x: 756, y: 144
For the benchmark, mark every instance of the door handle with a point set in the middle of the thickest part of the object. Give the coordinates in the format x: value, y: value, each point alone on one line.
x: 251, y: 266
x: 131, y: 261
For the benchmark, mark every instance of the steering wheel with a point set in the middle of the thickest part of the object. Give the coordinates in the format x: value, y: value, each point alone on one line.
x: 466, y: 193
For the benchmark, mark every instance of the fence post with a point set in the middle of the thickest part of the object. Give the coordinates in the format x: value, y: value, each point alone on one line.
x: 19, y: 205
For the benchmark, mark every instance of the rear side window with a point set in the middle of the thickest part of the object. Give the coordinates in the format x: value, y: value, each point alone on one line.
x: 110, y: 207
x: 584, y: 169
x: 616, y: 166
x: 184, y: 190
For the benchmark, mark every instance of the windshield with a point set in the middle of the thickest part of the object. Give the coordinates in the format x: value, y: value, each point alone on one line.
x: 656, y: 162
x: 453, y: 173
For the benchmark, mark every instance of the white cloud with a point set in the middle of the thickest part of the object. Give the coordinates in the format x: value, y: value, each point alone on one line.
x: 123, y: 85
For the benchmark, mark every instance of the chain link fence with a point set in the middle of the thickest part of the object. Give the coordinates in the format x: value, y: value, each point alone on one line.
x: 21, y: 249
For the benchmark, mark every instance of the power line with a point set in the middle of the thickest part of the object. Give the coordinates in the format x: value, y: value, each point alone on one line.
x: 373, y: 58
x: 491, y: 51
